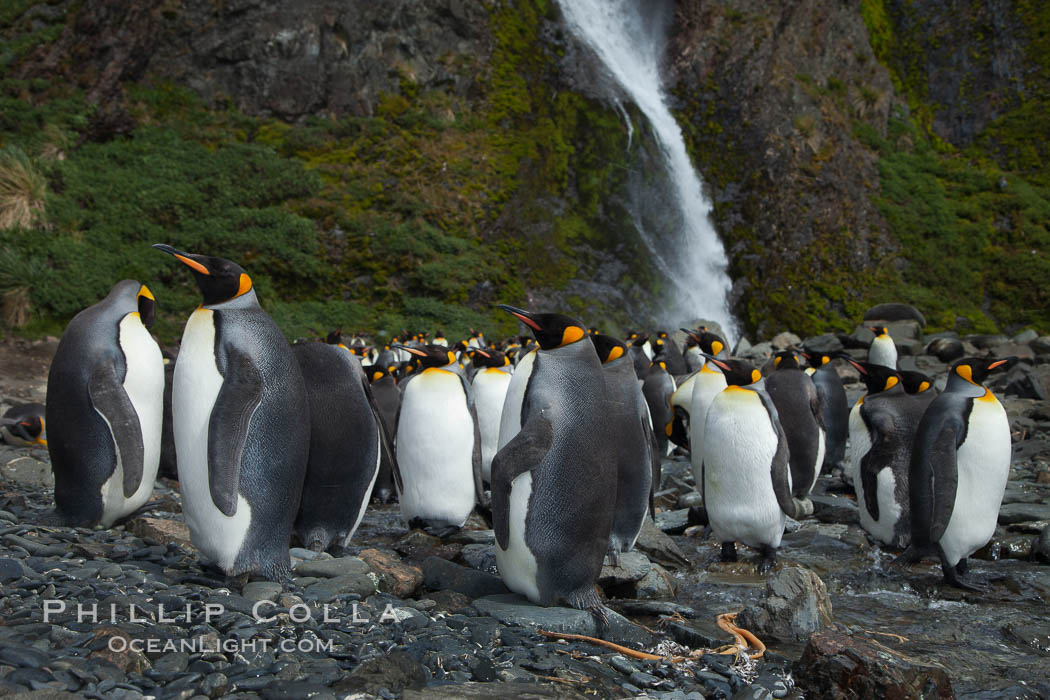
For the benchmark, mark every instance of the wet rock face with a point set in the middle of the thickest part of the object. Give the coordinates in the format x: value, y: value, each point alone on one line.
x: 287, y: 60
x: 795, y: 606
x: 743, y: 66
x: 834, y: 664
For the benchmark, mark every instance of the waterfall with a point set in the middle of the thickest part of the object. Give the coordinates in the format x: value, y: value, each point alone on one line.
x: 630, y: 46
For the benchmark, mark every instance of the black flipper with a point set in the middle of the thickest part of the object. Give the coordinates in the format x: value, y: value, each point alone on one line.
x: 239, y: 397
x: 479, y: 485
x: 654, y: 455
x: 932, y: 481
x: 107, y: 395
x: 386, y: 447
x: 524, y: 453
x: 780, y: 470
x: 945, y: 480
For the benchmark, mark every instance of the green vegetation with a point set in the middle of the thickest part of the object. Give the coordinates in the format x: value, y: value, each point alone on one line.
x: 408, y: 219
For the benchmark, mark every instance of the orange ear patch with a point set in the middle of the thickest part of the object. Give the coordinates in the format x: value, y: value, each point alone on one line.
x: 755, y: 375
x: 571, y: 334
x: 966, y: 372
x: 615, y: 353
x: 890, y: 383
x: 245, y: 285
x: 717, y: 347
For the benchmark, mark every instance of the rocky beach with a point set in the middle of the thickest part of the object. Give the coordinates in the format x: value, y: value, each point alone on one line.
x: 129, y: 612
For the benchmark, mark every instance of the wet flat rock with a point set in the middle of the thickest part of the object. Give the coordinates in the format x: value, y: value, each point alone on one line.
x: 512, y: 609
x: 835, y: 664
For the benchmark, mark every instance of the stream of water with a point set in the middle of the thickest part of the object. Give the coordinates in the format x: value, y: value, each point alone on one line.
x: 629, y: 38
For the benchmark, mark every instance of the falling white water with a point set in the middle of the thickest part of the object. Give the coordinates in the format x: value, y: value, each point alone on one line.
x: 692, y: 258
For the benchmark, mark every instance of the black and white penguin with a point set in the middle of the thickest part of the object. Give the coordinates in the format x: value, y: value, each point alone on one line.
x: 657, y: 388
x: 104, y: 409
x: 491, y: 381
x: 641, y: 357
x: 511, y: 417
x: 237, y: 385
x: 746, y: 477
x: 387, y: 397
x: 438, y: 442
x: 883, y: 351
x: 798, y: 405
x: 637, y: 454
x: 882, y: 429
x: 960, y: 463
x: 24, y: 425
x: 681, y: 429
x: 833, y: 407
x: 346, y: 445
x: 553, y: 493
x: 708, y: 384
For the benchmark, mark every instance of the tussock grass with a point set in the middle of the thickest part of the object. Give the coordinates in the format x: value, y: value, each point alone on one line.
x: 22, y: 190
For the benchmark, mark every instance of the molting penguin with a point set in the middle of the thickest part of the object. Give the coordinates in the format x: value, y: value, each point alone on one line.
x: 747, y: 479
x: 387, y: 400
x: 23, y: 425
x: 833, y: 407
x: 438, y: 442
x: 960, y: 463
x: 237, y: 386
x: 104, y: 409
x: 553, y: 484
x: 346, y: 445
x: 882, y: 428
x: 798, y: 404
x: 490, y: 384
x: 882, y: 351
x: 636, y: 452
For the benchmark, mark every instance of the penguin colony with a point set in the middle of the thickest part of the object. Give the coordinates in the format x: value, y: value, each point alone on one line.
x: 555, y: 437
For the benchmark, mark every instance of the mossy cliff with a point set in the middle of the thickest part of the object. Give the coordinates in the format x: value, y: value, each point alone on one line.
x: 410, y: 163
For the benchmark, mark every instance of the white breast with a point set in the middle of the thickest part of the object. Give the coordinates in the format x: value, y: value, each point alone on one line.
x: 739, y: 444
x: 707, y: 385
x: 435, y: 447
x: 490, y: 391
x: 510, y: 418
x: 196, y: 386
x: 883, y: 352
x: 983, y: 461
x: 517, y: 564
x: 859, y: 444
x: 144, y: 384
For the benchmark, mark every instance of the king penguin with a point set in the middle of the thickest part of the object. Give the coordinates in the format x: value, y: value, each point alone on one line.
x: 636, y: 451
x: 105, y: 408
x: 553, y: 484
x: 490, y: 384
x: 24, y: 425
x: 680, y: 429
x: 747, y: 478
x: 237, y: 386
x: 387, y: 397
x: 883, y: 351
x: 438, y: 442
x: 960, y: 463
x: 833, y: 407
x: 658, y: 387
x: 798, y: 404
x: 346, y: 446
x: 882, y: 429
x: 709, y: 383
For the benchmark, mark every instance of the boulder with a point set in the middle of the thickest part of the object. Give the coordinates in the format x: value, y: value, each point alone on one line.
x: 331, y: 568
x: 1026, y: 382
x: 397, y: 671
x: 514, y: 610
x: 1025, y: 337
x: 395, y: 577
x: 834, y: 664
x: 1024, y: 353
x: 442, y: 575
x: 632, y: 566
x: 834, y: 509
x: 1041, y: 345
x: 656, y: 543
x: 1041, y: 549
x: 827, y: 343
x: 795, y: 606
x: 986, y: 341
x: 658, y: 583
x: 785, y: 340
x: 894, y: 312
x: 1022, y: 512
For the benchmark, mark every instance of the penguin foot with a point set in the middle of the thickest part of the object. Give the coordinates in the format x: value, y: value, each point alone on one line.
x: 728, y: 552
x: 444, y: 532
x: 910, y: 555
x: 588, y: 600
x: 966, y: 583
x: 769, y: 560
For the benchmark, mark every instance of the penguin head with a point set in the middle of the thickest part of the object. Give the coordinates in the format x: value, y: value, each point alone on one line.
x: 593, y: 330
x: 335, y: 337
x: 608, y: 347
x: 487, y: 357
x: 876, y: 378
x: 708, y: 342
x: 737, y: 372
x: 817, y: 359
x: 218, y: 279
x: 147, y: 306
x: 785, y: 359
x: 915, y: 382
x: 377, y: 372
x: 879, y: 331
x: 976, y: 369
x: 431, y: 355
x: 551, y: 330
x: 639, y: 340
x: 30, y: 429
